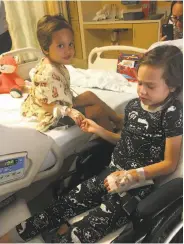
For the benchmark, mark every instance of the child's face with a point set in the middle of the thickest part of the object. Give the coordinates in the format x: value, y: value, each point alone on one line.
x: 152, y: 89
x: 61, y: 50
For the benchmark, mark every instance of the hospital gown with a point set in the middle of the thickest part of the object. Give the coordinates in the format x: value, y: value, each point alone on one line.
x: 50, y: 83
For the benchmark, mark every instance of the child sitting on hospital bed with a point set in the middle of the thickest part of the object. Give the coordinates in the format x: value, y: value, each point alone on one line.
x: 149, y: 146
x: 50, y: 99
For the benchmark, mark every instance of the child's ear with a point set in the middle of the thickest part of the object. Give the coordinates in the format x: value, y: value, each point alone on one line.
x: 46, y: 52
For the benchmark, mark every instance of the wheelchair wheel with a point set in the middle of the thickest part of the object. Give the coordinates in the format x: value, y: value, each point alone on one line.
x: 169, y: 229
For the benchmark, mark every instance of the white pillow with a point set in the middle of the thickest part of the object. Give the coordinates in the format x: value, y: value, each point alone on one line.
x: 178, y: 43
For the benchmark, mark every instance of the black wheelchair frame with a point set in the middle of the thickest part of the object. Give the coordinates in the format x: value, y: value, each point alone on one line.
x: 158, y: 218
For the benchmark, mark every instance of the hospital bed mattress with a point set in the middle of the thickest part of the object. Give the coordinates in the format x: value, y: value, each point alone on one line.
x: 68, y: 140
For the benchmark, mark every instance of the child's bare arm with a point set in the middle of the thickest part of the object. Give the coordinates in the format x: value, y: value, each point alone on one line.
x: 108, y: 135
x: 168, y: 165
x: 92, y: 127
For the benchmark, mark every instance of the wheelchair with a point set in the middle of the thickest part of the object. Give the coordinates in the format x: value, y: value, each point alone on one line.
x: 158, y: 218
x: 155, y: 219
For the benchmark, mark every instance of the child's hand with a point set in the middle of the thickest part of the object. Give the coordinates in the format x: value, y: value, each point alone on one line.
x: 116, y: 178
x: 77, y: 116
x: 119, y: 173
x: 134, y: 174
x: 121, y: 181
x: 106, y: 184
x: 89, y: 126
x: 164, y: 38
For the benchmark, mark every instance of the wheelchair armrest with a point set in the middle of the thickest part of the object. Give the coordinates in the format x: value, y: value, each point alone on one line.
x: 161, y: 197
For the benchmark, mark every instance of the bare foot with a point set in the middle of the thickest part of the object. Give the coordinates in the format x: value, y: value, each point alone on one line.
x: 63, y: 229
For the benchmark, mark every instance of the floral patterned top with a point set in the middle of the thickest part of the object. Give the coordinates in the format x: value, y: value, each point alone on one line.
x: 50, y: 83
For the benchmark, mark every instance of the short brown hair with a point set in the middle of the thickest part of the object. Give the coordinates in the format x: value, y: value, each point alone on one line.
x: 170, y: 58
x: 47, y: 25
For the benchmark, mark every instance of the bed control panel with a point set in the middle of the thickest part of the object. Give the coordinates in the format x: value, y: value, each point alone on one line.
x: 12, y: 167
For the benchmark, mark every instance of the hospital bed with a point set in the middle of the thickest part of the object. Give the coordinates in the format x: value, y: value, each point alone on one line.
x: 20, y: 140
x: 32, y: 156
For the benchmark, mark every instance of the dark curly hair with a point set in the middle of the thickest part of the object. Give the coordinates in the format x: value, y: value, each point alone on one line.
x: 46, y: 26
x: 170, y: 58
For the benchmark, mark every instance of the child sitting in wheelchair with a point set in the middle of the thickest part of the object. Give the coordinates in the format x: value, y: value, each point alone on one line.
x: 149, y: 146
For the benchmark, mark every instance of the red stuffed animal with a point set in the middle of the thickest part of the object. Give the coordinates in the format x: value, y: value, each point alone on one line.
x: 10, y: 82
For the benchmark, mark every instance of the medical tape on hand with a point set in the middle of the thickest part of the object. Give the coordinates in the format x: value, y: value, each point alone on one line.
x: 120, y: 183
x: 126, y: 182
x: 141, y: 174
x: 127, y: 179
x: 112, y: 182
x: 59, y: 111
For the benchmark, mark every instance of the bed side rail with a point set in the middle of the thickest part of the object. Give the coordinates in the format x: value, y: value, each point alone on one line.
x: 108, y: 64
x: 28, y: 58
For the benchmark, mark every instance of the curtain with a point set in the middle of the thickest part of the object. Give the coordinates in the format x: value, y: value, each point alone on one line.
x: 52, y: 7
x: 22, y: 17
x: 56, y: 7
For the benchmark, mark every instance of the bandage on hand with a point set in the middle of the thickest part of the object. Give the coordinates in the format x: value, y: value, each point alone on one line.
x: 77, y: 116
x: 113, y: 181
x: 59, y: 111
x: 125, y: 182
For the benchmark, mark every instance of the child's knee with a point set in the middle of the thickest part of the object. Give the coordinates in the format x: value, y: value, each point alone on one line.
x: 90, y: 95
x: 97, y: 112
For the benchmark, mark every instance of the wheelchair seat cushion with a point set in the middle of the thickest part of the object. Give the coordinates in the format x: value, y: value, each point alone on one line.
x: 161, y: 197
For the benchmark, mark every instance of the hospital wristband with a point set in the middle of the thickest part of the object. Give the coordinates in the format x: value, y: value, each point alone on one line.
x: 141, y: 174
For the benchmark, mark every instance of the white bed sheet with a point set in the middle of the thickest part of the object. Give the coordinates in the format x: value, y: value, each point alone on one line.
x: 68, y: 140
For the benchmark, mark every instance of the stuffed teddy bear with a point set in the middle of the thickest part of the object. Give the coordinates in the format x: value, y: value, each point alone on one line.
x: 10, y: 82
